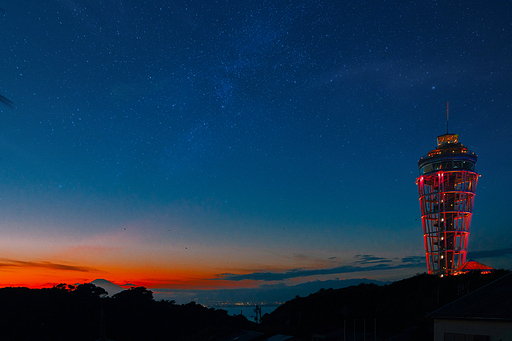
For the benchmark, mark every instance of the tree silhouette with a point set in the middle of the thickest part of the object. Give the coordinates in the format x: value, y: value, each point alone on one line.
x: 89, y: 290
x: 135, y: 295
x: 67, y: 312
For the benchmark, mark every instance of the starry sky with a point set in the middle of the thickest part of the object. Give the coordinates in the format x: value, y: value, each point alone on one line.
x: 186, y: 145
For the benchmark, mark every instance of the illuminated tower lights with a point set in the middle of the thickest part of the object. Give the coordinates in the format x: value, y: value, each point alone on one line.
x: 446, y: 185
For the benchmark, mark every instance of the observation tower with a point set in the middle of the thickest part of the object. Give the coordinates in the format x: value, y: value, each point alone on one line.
x: 446, y: 185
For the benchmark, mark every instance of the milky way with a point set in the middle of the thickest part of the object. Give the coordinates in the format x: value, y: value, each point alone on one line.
x: 201, y: 138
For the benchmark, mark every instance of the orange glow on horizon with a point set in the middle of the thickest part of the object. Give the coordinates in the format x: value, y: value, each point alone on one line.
x: 47, y: 274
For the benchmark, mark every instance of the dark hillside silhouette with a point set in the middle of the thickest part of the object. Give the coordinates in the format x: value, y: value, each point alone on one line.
x: 66, y: 312
x: 396, y: 307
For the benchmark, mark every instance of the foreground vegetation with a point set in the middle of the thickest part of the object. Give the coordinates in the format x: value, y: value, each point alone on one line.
x: 74, y: 313
x: 394, y: 308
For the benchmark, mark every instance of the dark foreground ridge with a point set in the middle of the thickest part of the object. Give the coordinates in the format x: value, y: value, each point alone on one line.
x: 74, y: 313
x: 67, y: 312
x: 398, y: 308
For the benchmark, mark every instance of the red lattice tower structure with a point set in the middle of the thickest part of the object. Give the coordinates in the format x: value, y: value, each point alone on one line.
x: 446, y: 185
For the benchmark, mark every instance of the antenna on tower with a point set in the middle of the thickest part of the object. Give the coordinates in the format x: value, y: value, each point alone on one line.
x: 447, y: 115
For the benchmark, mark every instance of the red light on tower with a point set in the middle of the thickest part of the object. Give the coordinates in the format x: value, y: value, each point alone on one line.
x: 446, y: 187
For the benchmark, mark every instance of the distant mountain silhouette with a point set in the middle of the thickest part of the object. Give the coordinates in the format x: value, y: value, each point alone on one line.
x: 109, y: 287
x: 266, y: 294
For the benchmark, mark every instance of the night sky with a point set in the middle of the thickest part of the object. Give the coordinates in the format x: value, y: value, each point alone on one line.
x: 225, y: 144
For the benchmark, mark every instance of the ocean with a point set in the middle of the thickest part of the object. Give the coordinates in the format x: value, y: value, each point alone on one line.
x: 247, y: 311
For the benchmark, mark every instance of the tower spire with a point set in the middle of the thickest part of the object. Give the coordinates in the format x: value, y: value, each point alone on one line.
x: 447, y: 115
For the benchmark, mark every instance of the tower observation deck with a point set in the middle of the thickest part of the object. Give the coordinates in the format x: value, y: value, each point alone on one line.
x: 446, y: 185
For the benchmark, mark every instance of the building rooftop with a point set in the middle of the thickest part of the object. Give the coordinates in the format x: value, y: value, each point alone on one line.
x: 472, y: 265
x: 447, y: 139
x: 448, y: 148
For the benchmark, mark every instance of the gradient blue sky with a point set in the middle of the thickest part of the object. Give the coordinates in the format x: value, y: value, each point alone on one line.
x: 218, y: 144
